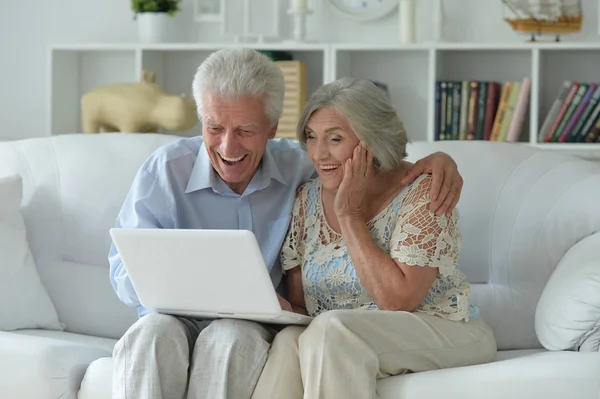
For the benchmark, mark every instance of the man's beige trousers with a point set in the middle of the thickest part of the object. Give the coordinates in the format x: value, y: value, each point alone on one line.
x: 166, y: 357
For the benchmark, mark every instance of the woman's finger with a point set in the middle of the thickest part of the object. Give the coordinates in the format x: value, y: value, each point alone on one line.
x: 369, y: 169
x: 357, y: 157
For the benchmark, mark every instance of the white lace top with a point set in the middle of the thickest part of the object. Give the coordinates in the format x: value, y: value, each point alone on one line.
x: 405, y: 229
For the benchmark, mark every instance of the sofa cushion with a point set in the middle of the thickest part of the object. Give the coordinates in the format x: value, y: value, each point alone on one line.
x: 519, y: 374
x: 544, y: 375
x: 45, y: 367
x: 568, y: 312
x: 97, y: 383
x: 24, y: 302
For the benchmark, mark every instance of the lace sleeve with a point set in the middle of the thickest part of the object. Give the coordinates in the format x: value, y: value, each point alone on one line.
x: 292, y: 250
x: 421, y: 238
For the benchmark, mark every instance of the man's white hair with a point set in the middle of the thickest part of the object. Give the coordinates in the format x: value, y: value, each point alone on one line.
x: 241, y: 72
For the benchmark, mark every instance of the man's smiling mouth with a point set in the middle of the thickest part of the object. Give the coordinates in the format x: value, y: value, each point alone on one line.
x: 233, y: 161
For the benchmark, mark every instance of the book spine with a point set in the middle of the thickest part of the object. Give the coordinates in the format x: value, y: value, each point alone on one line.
x: 506, y: 90
x: 443, y: 111
x: 456, y: 102
x: 516, y: 125
x: 464, y: 110
x: 510, y: 111
x: 438, y: 102
x: 491, y: 107
x: 449, y: 102
x: 589, y: 125
x: 569, y: 114
x: 589, y: 109
x: 481, y: 105
x: 577, y: 113
x: 561, y: 113
x: 472, y: 117
x: 562, y: 94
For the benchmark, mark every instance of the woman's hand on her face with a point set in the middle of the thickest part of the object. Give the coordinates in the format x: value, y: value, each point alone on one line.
x: 352, y: 192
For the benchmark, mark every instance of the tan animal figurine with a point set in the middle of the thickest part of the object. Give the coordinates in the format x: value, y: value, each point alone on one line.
x: 140, y: 107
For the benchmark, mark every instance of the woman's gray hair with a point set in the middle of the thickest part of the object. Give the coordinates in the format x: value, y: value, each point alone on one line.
x: 241, y: 72
x: 370, y: 114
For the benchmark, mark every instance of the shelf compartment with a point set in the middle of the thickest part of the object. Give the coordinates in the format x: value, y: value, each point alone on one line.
x: 558, y: 66
x: 73, y: 73
x: 404, y: 72
x: 504, y: 64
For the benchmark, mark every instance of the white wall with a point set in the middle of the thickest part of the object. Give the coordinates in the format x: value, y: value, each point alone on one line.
x: 27, y: 27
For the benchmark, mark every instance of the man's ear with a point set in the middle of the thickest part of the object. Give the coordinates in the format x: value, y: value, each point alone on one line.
x: 273, y: 131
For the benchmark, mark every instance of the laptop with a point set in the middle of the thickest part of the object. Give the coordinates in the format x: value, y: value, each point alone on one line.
x: 203, y: 274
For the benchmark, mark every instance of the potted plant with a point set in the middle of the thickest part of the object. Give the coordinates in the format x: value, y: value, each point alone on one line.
x: 153, y: 18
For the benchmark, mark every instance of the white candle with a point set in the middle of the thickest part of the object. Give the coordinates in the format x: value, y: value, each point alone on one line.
x: 299, y: 5
x: 406, y: 21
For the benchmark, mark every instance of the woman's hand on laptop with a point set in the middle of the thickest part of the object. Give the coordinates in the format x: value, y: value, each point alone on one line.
x: 285, y: 305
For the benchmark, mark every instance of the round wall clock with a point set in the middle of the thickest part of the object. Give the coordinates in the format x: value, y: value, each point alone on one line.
x: 364, y: 10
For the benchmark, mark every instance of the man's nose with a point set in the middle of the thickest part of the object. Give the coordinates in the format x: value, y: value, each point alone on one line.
x: 228, y: 143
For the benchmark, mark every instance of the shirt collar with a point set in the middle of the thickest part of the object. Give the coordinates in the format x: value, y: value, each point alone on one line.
x: 204, y: 176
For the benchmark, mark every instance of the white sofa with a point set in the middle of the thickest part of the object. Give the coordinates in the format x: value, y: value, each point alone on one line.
x: 527, y: 216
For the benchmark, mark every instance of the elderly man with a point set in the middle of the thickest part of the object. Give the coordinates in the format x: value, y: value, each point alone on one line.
x: 233, y: 177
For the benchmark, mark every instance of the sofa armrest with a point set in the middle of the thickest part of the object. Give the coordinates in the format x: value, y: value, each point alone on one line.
x: 40, y: 367
x: 568, y: 313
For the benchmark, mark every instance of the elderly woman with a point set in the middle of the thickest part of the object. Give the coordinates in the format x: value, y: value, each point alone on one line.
x: 367, y: 258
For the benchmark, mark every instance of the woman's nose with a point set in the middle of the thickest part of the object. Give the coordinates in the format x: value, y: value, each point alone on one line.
x: 321, y: 150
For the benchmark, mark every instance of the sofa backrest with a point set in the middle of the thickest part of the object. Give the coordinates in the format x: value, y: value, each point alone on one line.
x: 73, y: 188
x: 521, y: 210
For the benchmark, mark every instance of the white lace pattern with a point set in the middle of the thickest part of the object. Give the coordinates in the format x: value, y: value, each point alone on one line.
x: 405, y: 229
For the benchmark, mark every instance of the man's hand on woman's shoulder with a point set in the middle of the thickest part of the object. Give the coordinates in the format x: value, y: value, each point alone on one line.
x: 446, y: 184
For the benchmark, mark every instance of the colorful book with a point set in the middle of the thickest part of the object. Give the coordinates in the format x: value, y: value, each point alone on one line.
x: 589, y: 109
x: 472, y: 115
x: 456, y: 103
x: 561, y: 112
x: 589, y: 125
x: 570, y: 111
x: 510, y: 110
x: 554, y: 110
x: 493, y: 96
x: 443, y: 93
x: 464, y: 110
x: 564, y: 137
x: 506, y: 90
x: 516, y: 125
x: 481, y: 107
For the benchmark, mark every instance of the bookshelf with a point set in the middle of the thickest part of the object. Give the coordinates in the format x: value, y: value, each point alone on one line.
x: 409, y: 71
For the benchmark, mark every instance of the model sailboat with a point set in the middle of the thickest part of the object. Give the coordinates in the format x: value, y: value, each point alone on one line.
x: 538, y: 17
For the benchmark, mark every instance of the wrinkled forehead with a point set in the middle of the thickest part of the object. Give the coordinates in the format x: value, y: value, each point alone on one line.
x: 243, y: 111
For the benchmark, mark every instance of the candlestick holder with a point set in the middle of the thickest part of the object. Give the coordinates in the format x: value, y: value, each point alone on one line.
x: 299, y: 23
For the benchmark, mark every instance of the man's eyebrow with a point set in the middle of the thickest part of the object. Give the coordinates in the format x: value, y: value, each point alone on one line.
x: 212, y: 122
x: 249, y: 124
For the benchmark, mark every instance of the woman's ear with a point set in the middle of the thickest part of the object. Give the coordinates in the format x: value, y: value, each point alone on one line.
x: 376, y: 163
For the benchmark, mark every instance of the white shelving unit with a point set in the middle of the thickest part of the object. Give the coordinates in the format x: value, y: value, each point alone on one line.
x: 409, y: 71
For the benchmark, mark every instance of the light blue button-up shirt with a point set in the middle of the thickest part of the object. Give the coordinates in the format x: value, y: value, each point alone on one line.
x: 177, y: 188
